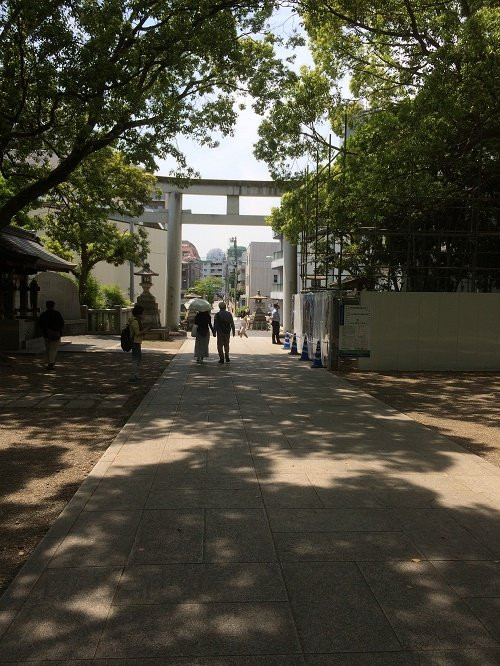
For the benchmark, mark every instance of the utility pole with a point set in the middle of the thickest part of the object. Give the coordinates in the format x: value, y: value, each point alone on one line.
x: 226, y: 279
x: 233, y: 241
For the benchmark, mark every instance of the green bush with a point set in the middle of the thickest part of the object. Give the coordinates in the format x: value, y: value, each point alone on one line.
x: 92, y: 294
x: 113, y: 295
x: 241, y: 311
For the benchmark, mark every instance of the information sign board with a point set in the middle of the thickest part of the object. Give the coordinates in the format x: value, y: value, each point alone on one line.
x: 354, y: 331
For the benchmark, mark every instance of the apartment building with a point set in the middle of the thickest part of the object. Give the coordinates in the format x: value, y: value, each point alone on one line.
x: 260, y: 274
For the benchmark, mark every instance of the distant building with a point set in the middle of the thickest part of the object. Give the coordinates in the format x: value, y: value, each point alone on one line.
x: 189, y: 251
x: 260, y: 275
x: 192, y: 267
x: 212, y: 268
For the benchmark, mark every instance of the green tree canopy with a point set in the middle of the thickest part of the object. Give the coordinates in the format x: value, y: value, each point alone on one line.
x: 239, y: 252
x: 77, y: 222
x: 209, y: 287
x: 79, y: 75
x: 416, y: 182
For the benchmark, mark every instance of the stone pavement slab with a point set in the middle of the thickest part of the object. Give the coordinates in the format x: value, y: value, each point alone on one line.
x: 335, y: 610
x: 403, y: 590
x: 206, y: 582
x: 199, y: 629
x: 265, y: 514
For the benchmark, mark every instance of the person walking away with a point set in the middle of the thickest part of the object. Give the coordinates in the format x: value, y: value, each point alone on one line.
x: 203, y: 321
x: 275, y: 323
x: 223, y: 325
x: 244, y: 322
x: 51, y: 323
x: 137, y: 333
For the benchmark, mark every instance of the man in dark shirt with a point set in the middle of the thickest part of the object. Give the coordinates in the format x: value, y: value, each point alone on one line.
x: 51, y: 324
x: 223, y: 325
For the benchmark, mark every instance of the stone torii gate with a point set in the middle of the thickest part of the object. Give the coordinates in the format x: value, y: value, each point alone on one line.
x: 176, y: 217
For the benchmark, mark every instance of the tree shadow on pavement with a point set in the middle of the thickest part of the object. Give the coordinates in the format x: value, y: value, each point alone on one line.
x: 461, y: 405
x: 235, y: 522
x: 54, y: 427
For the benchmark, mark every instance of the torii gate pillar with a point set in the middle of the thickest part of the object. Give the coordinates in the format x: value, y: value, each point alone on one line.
x: 176, y: 217
x: 174, y: 261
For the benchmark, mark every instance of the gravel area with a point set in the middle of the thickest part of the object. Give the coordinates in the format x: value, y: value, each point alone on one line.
x: 54, y: 427
x: 464, y: 406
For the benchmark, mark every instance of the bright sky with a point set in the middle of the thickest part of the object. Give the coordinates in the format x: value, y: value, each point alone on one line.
x: 233, y: 160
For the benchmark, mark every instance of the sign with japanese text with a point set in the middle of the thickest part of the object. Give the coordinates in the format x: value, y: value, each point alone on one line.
x: 354, y: 331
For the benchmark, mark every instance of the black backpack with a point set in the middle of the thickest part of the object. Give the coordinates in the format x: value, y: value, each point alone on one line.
x: 126, y: 339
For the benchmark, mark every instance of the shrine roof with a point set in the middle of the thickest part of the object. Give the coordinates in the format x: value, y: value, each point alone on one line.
x: 24, y: 249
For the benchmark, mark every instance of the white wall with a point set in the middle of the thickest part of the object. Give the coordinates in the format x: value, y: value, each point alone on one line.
x: 433, y: 331
x: 59, y: 288
x: 109, y: 274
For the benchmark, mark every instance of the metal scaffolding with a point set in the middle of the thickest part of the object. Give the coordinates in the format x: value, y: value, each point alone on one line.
x: 459, y: 253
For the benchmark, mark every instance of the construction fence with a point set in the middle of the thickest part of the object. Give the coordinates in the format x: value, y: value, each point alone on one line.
x: 401, y: 331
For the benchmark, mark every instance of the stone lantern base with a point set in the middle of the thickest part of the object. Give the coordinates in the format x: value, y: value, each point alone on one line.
x: 259, y: 321
x: 151, y: 316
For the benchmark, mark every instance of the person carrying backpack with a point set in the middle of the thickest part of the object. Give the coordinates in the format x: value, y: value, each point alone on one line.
x: 137, y: 333
x: 223, y: 324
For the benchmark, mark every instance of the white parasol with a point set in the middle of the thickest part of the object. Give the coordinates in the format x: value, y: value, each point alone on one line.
x: 199, y: 304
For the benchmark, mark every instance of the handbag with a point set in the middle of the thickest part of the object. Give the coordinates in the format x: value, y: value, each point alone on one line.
x: 194, y: 330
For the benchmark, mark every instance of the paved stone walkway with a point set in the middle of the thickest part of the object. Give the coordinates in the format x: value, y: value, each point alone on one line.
x: 266, y: 513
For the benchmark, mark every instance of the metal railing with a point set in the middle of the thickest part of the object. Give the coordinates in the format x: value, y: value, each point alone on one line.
x: 106, y: 320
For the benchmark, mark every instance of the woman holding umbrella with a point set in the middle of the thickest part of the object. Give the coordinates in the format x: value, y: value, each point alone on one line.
x: 203, y: 323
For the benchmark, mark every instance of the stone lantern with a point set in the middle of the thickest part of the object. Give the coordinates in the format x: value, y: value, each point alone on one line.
x: 259, y: 320
x: 151, y: 314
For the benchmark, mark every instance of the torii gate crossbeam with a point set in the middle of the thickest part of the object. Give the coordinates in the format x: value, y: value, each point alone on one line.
x: 176, y: 217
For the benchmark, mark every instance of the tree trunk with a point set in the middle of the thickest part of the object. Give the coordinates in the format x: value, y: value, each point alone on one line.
x: 82, y: 283
x: 84, y: 272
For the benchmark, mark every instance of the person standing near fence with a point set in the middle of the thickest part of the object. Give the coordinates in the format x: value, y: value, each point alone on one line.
x: 223, y: 325
x: 275, y: 323
x: 51, y: 323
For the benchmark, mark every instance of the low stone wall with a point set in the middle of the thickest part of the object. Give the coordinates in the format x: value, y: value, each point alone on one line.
x: 75, y: 327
